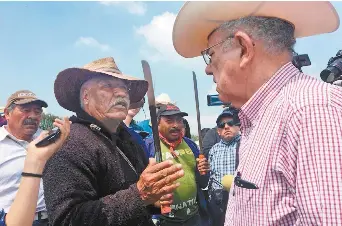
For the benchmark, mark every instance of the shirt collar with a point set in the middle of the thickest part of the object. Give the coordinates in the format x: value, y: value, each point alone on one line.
x: 4, y: 133
x: 249, y: 112
x: 232, y: 141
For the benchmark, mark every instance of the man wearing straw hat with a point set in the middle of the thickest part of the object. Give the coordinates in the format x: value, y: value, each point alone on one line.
x: 100, y: 177
x: 290, y: 168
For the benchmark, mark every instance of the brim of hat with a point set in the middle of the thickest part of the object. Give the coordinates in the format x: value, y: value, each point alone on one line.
x: 168, y: 113
x: 197, y: 19
x: 223, y: 115
x: 32, y: 101
x: 136, y: 105
x: 69, y: 82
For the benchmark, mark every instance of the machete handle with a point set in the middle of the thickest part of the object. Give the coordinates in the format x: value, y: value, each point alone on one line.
x: 165, y: 209
x: 201, y: 156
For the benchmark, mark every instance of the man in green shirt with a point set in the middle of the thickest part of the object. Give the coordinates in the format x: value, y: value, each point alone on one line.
x: 186, y: 206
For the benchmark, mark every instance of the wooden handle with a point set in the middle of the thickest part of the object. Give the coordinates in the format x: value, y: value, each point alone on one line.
x: 165, y: 209
x: 201, y: 156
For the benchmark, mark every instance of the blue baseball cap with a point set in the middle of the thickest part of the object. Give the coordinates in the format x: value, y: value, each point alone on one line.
x: 228, y: 112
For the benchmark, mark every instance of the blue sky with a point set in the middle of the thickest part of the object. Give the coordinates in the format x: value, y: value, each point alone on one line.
x: 39, y: 39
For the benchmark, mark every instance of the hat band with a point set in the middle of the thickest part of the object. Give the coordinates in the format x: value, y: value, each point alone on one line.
x: 112, y: 70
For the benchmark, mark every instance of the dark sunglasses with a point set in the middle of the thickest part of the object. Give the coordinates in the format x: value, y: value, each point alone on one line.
x: 229, y: 123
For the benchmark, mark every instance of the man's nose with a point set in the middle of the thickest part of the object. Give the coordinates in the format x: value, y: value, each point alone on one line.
x: 208, y: 70
x: 33, y: 115
x: 226, y: 126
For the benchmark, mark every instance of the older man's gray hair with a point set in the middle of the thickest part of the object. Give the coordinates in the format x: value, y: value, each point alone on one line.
x: 276, y: 34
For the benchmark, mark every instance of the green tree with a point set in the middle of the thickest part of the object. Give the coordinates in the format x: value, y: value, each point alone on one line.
x: 47, y: 121
x: 194, y: 137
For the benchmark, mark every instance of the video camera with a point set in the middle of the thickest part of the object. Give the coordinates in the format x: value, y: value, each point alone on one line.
x: 333, y: 71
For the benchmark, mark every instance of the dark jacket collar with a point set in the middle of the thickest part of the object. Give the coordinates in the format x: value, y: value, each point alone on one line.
x: 95, y: 125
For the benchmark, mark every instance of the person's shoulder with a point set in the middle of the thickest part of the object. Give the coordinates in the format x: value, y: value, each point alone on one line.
x: 188, y: 140
x: 143, y: 123
x: 149, y: 139
x: 3, y: 133
x: 81, y: 139
x: 216, y: 146
x: 306, y: 90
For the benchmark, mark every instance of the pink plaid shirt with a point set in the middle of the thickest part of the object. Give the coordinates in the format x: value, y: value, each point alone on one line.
x: 291, y: 148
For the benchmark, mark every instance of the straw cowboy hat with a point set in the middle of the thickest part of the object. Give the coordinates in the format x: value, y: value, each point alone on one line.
x: 196, y: 20
x: 69, y: 82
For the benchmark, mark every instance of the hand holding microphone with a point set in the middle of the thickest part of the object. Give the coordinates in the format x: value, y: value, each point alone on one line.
x: 227, y: 181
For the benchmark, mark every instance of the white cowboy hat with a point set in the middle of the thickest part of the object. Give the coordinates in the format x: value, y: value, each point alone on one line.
x: 164, y: 99
x: 196, y: 20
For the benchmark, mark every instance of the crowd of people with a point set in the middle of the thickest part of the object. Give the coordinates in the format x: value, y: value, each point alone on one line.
x: 276, y: 139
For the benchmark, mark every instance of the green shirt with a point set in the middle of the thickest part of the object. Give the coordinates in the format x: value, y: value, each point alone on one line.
x: 184, y: 197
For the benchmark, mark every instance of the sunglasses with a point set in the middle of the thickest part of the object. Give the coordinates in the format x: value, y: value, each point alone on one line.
x: 230, y: 123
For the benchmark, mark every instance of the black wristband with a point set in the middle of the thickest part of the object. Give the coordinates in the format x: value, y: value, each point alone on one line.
x: 31, y: 175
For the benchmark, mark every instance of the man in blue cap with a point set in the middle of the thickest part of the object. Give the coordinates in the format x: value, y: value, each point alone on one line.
x: 222, y: 161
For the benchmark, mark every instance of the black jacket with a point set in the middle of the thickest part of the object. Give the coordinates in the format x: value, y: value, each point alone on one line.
x: 88, y: 182
x: 209, y: 140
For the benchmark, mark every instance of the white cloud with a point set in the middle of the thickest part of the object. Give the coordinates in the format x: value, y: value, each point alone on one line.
x: 136, y: 8
x: 92, y: 42
x: 158, y: 44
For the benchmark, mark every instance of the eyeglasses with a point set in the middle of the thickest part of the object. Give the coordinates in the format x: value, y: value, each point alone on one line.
x: 205, y: 53
x: 230, y: 123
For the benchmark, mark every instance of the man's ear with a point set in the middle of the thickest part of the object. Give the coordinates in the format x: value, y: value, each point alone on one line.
x: 85, y: 96
x: 218, y: 131
x: 247, y: 48
x: 6, y: 114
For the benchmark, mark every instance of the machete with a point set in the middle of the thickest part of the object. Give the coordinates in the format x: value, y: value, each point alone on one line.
x: 201, y: 156
x: 153, y: 114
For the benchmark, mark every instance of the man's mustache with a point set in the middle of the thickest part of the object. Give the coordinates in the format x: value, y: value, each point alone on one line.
x: 121, y: 101
x: 174, y: 130
x: 30, y: 121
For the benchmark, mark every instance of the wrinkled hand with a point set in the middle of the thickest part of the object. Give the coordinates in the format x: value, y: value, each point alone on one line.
x: 158, y: 180
x: 165, y: 200
x: 42, y: 154
x: 202, y: 165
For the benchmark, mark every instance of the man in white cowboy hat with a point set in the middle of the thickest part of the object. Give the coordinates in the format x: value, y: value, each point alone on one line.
x: 290, y: 167
x: 100, y: 176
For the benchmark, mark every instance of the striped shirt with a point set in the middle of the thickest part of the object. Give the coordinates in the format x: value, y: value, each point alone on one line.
x: 291, y: 147
x: 222, y: 161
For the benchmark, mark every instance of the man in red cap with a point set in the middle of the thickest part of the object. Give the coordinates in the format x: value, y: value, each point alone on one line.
x: 188, y: 207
